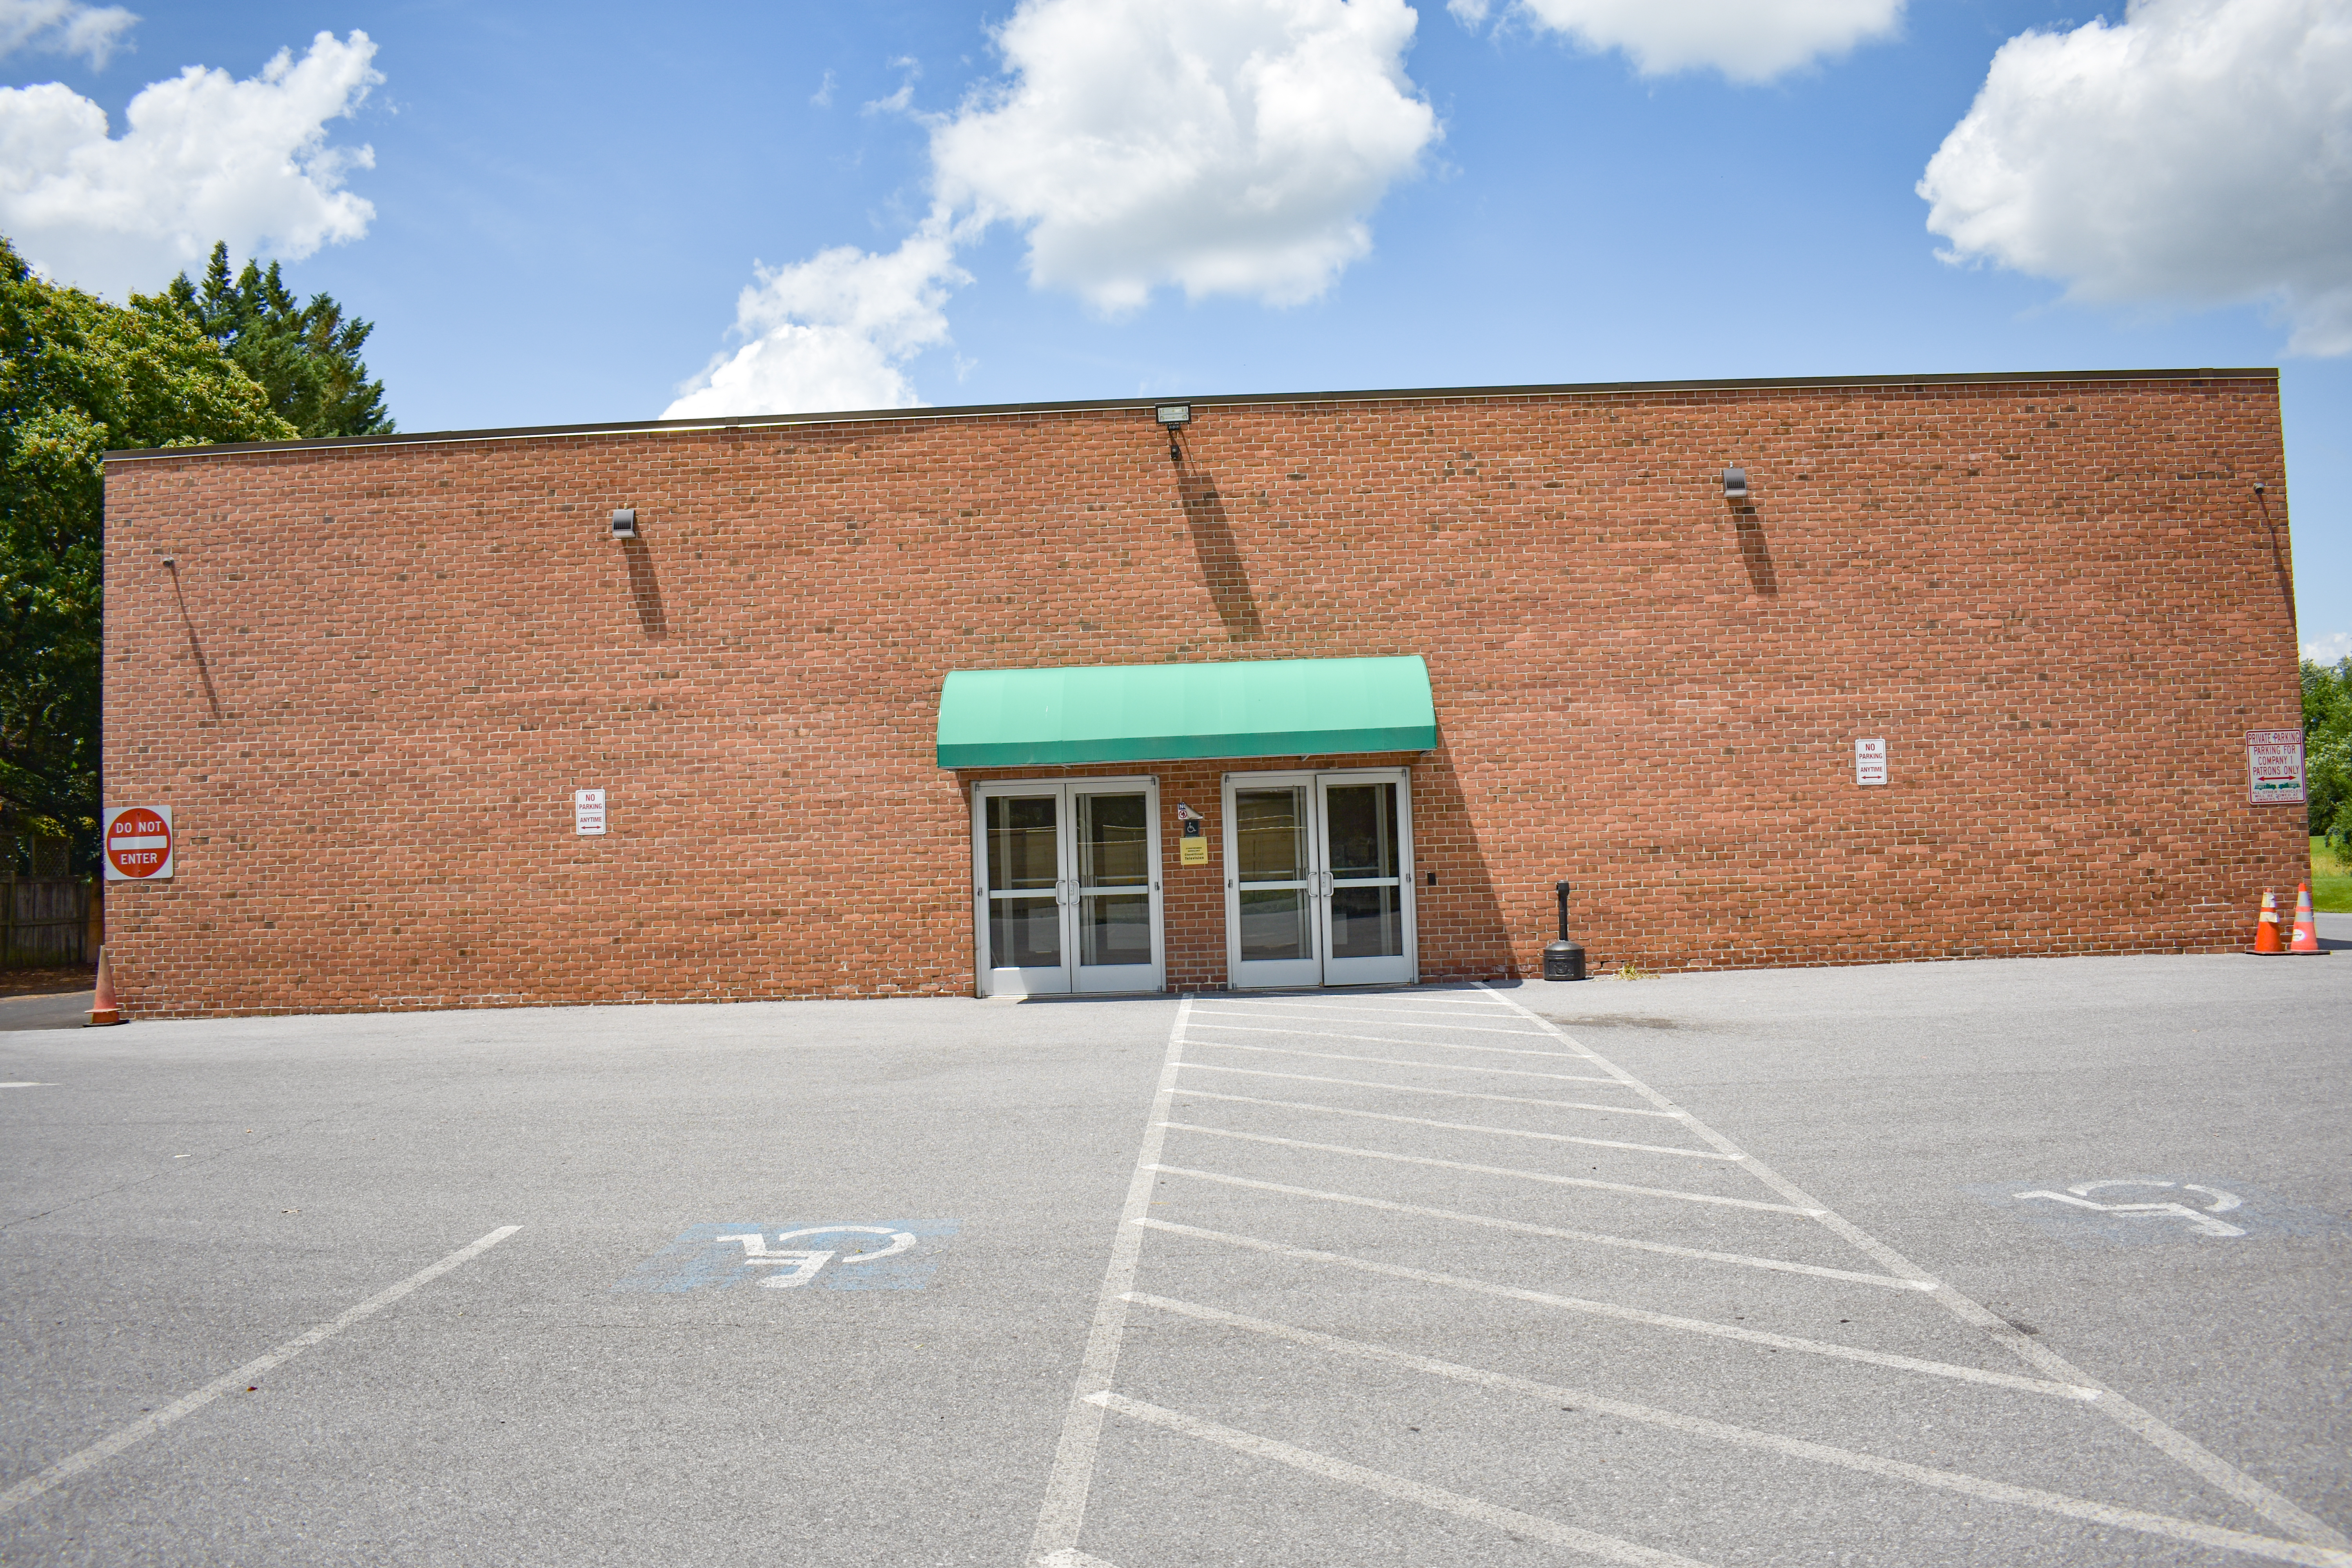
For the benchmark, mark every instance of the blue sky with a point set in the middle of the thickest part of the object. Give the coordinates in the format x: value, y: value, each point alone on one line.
x: 567, y: 202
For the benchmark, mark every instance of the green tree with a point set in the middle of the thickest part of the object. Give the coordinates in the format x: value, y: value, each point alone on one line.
x: 78, y: 377
x: 2328, y: 748
x: 306, y: 357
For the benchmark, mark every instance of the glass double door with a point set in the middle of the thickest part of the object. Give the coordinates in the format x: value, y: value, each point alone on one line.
x: 1066, y: 879
x: 1319, y: 883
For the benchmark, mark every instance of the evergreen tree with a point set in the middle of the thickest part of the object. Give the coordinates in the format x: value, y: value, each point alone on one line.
x: 306, y: 357
x: 77, y: 377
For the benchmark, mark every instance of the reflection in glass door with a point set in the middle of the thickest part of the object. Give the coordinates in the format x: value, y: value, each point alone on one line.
x: 1067, y: 891
x: 1364, y: 886
x: 1271, y: 912
x: 1022, y: 929
x: 1320, y: 886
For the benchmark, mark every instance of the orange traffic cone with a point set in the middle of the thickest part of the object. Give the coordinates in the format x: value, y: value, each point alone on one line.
x: 2265, y: 930
x: 2306, y: 932
x: 102, y: 1006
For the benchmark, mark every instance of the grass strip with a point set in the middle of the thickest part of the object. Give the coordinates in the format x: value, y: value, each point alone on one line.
x: 2331, y: 879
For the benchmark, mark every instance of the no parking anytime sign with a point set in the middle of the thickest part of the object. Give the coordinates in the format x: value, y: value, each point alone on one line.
x: 138, y: 843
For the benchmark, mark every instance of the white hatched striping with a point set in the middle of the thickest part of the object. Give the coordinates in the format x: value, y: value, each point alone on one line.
x: 1436, y: 1499
x: 1635, y: 1314
x: 1455, y: 1126
x: 1592, y: 1182
x: 1447, y: 1093
x: 2183, y: 1449
x: 1062, y: 1514
x: 1320, y: 1010
x: 1394, y: 1062
x: 1399, y: 1023
x: 1595, y: 1237
x: 1392, y: 1040
x: 1772, y: 1442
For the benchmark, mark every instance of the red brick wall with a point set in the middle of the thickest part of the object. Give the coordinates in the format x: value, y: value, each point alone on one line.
x: 377, y: 673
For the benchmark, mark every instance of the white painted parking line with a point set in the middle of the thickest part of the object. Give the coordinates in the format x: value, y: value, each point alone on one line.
x: 1455, y: 1126
x: 1417, y: 1089
x: 28, y: 1086
x: 1390, y: 1019
x: 1547, y: 1176
x: 1635, y: 1314
x: 1436, y: 1499
x: 2057, y: 1503
x: 1401, y: 1062
x: 1594, y: 1238
x: 1220, y: 1008
x: 1392, y: 1040
x: 1062, y: 1514
x: 74, y: 1464
x: 2183, y: 1449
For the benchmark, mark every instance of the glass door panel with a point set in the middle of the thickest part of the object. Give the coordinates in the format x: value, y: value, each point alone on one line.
x: 1068, y: 886
x: 1022, y: 836
x: 1273, y: 907
x: 1365, y: 910
x: 1321, y: 887
x: 1116, y: 934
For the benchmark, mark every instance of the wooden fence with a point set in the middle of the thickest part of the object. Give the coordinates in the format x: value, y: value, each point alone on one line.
x: 48, y: 921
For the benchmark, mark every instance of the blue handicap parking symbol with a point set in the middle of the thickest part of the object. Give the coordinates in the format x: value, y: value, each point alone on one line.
x: 828, y: 1255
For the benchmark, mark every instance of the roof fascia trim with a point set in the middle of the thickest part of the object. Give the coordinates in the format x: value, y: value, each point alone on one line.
x: 1017, y: 410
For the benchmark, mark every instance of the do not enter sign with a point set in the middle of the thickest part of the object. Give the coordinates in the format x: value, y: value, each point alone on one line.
x: 138, y: 843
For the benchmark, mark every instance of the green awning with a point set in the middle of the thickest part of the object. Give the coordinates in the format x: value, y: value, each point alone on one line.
x: 1160, y: 712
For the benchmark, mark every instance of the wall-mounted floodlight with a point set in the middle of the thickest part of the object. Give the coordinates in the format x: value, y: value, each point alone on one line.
x: 1173, y: 416
x: 625, y: 522
x: 1735, y: 485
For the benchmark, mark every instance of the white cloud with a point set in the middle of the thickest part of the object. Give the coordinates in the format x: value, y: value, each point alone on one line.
x: 2198, y: 152
x: 1223, y: 146
x: 2333, y: 648
x: 833, y: 332
x: 203, y: 158
x: 63, y: 28
x: 1747, y: 40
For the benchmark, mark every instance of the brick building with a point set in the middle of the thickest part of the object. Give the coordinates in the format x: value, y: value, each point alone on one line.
x: 1323, y: 688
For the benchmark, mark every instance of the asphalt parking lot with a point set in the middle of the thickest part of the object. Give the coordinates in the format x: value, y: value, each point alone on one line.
x: 2001, y: 1263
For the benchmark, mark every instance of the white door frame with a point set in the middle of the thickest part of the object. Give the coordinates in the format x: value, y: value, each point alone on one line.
x: 1320, y: 968
x: 1068, y: 894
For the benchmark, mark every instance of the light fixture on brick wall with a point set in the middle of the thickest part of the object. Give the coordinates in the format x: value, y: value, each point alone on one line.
x: 1173, y: 416
x: 625, y: 522
x: 1735, y: 486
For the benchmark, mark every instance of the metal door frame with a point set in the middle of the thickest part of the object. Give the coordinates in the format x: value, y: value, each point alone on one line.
x: 1318, y: 871
x: 1066, y: 894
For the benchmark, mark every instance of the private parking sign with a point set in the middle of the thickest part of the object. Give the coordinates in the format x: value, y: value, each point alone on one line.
x: 2275, y: 767
x: 138, y: 843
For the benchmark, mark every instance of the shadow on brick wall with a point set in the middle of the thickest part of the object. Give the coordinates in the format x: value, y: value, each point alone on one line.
x: 195, y: 644
x: 1755, y: 552
x: 2279, y: 566
x: 644, y: 589
x: 1464, y: 930
x: 1221, y: 558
